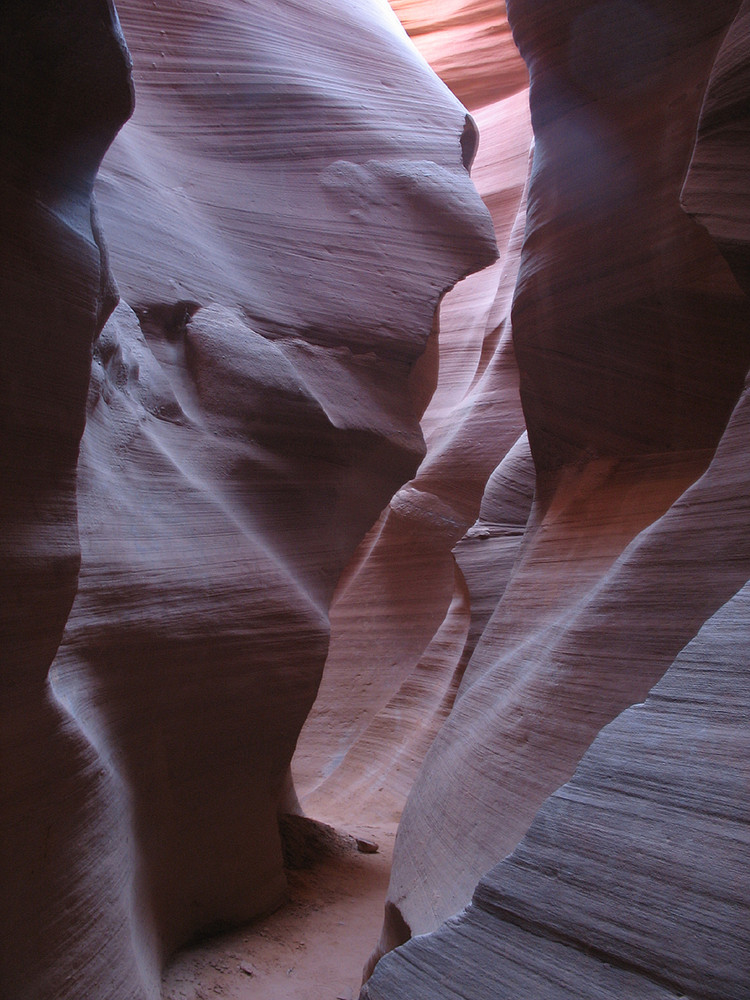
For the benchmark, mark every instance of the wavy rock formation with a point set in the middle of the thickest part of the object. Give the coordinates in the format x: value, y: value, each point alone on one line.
x: 621, y: 885
x: 716, y: 191
x: 633, y: 878
x: 489, y: 551
x: 469, y: 45
x: 64, y: 75
x: 393, y: 670
x: 285, y: 211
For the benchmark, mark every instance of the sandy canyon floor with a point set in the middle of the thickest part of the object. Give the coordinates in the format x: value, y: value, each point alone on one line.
x: 313, y: 948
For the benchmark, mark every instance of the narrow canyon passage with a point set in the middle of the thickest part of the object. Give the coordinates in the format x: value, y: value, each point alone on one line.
x: 374, y: 499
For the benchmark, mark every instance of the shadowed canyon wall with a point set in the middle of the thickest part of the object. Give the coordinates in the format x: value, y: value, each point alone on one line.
x: 66, y: 90
x: 283, y: 213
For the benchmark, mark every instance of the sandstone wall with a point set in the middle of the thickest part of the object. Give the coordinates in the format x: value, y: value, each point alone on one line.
x: 65, y: 80
x: 620, y: 883
x: 557, y: 469
x: 283, y: 213
x: 401, y: 616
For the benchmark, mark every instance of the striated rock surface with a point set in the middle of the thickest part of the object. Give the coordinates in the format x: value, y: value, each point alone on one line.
x: 279, y: 155
x: 633, y: 879
x: 625, y: 315
x: 284, y: 213
x: 61, y: 108
x: 64, y: 76
x: 631, y: 337
x: 469, y: 45
x: 401, y: 614
x: 489, y: 551
x: 717, y: 186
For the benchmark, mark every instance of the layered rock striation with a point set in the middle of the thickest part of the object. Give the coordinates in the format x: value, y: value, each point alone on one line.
x: 401, y: 615
x: 284, y: 212
x: 65, y: 79
x: 633, y: 877
x: 629, y: 880
x: 469, y: 45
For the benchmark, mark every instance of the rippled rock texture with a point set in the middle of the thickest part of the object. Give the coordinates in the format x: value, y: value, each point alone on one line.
x: 630, y: 327
x: 469, y: 45
x: 64, y: 75
x: 394, y: 668
x: 633, y: 878
x: 284, y: 212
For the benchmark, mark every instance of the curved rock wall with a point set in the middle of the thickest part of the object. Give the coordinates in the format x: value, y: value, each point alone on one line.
x: 469, y: 45
x: 620, y: 886
x: 284, y: 213
x: 621, y: 296
x: 633, y: 878
x: 393, y: 669
x: 716, y: 187
x: 64, y: 76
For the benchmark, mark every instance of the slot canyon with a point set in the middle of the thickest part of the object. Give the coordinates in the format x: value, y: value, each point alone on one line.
x: 375, y: 500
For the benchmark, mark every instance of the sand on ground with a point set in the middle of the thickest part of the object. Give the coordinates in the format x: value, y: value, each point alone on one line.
x: 313, y: 948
